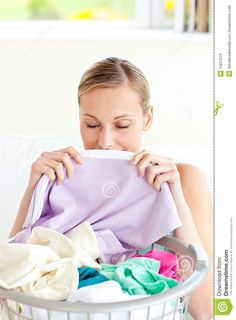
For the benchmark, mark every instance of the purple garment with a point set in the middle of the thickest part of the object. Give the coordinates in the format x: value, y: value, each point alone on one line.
x: 124, y: 210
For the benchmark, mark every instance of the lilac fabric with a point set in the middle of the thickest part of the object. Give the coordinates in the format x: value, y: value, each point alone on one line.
x: 124, y: 210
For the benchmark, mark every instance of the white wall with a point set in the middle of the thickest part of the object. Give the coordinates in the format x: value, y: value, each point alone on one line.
x: 39, y: 79
x: 38, y: 89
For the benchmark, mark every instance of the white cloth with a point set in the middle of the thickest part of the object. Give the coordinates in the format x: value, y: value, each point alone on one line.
x: 64, y: 247
x: 45, y: 266
x: 31, y: 269
x: 107, y: 291
x: 83, y: 236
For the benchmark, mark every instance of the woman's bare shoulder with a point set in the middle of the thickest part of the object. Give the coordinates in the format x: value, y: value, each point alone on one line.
x: 192, y: 178
x: 186, y: 169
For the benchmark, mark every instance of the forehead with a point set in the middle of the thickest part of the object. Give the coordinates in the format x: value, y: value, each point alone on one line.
x: 113, y: 101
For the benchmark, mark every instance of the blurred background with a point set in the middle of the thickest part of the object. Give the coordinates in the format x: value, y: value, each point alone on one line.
x: 46, y: 45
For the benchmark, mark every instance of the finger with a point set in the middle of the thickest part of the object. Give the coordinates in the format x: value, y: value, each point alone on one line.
x: 55, y: 165
x: 155, y: 160
x: 138, y: 156
x: 58, y: 168
x: 162, y: 178
x: 73, y: 153
x: 54, y: 157
x: 43, y: 169
x: 152, y: 171
x: 143, y: 163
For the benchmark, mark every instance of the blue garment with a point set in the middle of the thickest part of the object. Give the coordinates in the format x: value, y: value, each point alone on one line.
x: 90, y: 276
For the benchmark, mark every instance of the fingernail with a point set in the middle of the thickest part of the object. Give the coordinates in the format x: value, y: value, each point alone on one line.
x: 78, y: 159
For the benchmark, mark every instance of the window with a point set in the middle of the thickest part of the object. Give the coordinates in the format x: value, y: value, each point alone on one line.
x: 181, y: 15
x: 15, y: 10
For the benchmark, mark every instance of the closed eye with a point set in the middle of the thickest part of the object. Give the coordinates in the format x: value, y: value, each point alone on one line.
x: 93, y: 126
x: 97, y: 126
x: 122, y: 127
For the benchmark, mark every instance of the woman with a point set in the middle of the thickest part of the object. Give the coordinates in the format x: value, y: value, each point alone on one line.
x: 114, y: 105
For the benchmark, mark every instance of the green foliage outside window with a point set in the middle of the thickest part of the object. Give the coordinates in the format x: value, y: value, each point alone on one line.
x: 67, y: 9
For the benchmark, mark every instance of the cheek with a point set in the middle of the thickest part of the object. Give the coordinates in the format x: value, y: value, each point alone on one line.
x: 87, y: 135
x: 129, y: 138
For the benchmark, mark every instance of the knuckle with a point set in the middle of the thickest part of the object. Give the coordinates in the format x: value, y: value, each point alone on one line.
x: 50, y: 171
x: 149, y: 178
x: 58, y: 166
x: 44, y: 154
x: 151, y: 170
x: 176, y: 174
x: 70, y: 149
x: 65, y: 156
x: 147, y: 156
x: 35, y: 165
x: 40, y: 159
x: 159, y: 178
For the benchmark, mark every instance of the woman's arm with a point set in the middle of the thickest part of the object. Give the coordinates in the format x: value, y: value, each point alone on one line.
x: 22, y: 211
x: 200, y: 212
x: 51, y: 164
x: 192, y: 198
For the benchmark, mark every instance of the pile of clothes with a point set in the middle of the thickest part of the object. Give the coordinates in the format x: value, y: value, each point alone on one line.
x: 80, y: 239
x: 55, y: 266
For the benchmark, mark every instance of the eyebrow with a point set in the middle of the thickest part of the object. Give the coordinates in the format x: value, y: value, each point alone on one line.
x: 122, y: 116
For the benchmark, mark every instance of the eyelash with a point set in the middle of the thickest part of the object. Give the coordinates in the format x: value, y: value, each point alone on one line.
x: 93, y: 127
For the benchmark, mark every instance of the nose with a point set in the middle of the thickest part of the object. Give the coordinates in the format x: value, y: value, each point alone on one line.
x: 106, y: 138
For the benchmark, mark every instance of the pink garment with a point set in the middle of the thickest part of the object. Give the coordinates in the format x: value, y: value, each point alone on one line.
x: 168, y: 260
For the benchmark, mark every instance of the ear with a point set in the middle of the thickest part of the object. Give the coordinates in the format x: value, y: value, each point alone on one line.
x: 148, y: 118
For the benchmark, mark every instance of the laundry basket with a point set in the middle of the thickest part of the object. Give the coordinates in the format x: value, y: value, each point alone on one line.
x: 171, y: 304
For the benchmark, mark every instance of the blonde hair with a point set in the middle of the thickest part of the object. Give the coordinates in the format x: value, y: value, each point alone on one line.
x: 113, y: 72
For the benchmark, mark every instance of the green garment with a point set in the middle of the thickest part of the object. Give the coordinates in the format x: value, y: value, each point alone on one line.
x: 138, y: 276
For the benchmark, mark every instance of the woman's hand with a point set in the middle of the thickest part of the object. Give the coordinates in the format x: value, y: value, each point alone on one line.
x: 162, y: 169
x: 52, y: 163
